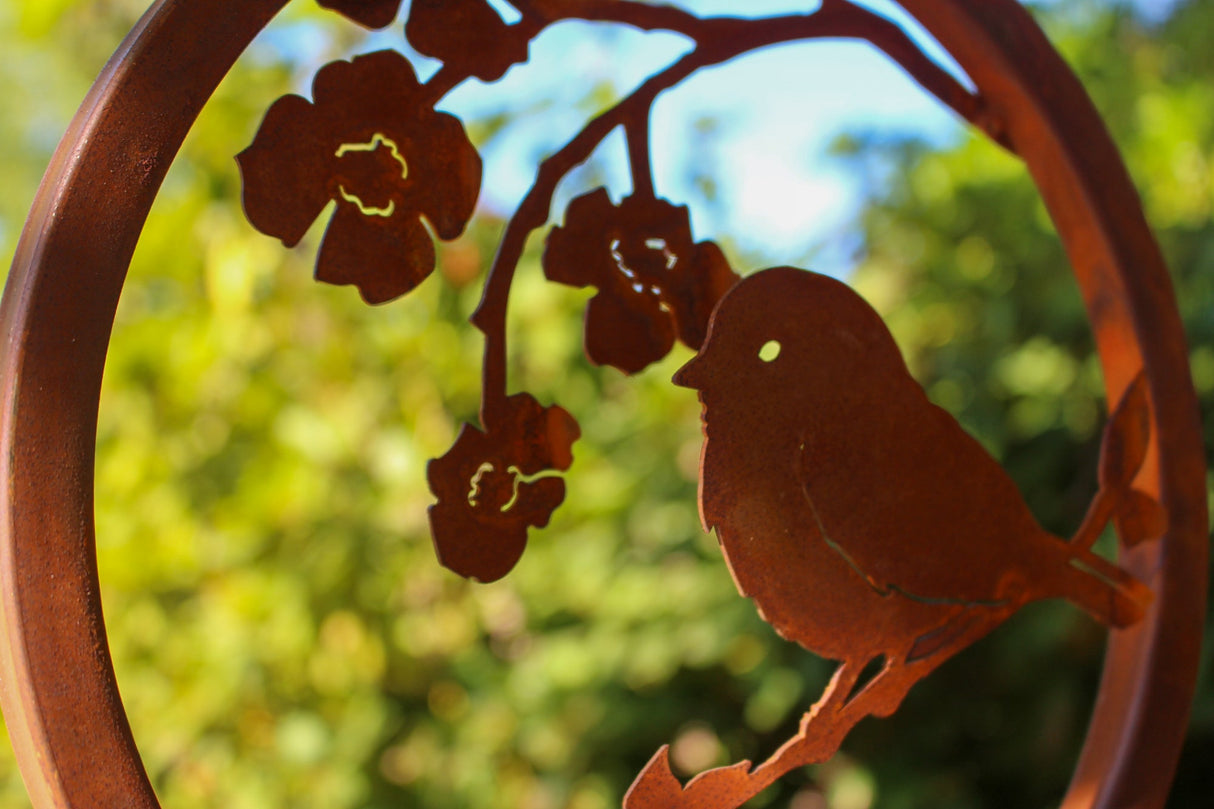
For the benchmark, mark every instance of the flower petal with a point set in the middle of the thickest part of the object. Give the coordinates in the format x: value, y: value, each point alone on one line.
x: 628, y: 333
x: 467, y: 34
x: 384, y: 259
x: 644, y: 218
x: 450, y: 476
x: 475, y: 549
x: 579, y: 252
x: 444, y: 174
x: 537, y: 500
x: 369, y: 94
x: 706, y: 279
x: 367, y: 13
x: 285, y: 171
x: 537, y: 438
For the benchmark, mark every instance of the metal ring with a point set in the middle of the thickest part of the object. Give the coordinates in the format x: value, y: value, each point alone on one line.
x: 59, y: 694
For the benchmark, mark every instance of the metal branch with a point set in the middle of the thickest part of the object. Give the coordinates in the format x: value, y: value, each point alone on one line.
x: 636, y: 129
x: 637, y: 15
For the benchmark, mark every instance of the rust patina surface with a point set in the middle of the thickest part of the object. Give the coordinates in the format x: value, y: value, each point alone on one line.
x: 848, y: 507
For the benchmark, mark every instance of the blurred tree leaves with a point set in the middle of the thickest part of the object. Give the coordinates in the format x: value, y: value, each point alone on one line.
x: 282, y: 632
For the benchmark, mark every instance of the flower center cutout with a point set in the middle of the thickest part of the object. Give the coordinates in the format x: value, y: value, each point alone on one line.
x: 376, y: 170
x: 660, y: 244
x: 492, y: 487
x: 646, y: 267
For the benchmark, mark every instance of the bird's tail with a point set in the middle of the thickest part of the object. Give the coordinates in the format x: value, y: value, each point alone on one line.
x: 1105, y: 591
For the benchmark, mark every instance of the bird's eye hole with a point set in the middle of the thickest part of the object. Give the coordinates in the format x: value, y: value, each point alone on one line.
x: 769, y: 351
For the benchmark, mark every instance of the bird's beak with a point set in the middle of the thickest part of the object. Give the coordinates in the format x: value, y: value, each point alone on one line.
x: 691, y: 375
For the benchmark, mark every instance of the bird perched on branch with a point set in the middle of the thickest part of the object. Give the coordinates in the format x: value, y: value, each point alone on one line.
x: 864, y: 522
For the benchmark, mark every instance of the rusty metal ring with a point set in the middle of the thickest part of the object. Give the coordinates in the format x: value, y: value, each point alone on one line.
x: 60, y: 697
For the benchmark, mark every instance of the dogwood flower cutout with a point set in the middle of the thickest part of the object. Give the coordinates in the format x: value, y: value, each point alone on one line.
x: 367, y: 13
x: 492, y: 487
x: 370, y: 141
x: 468, y: 35
x: 654, y: 283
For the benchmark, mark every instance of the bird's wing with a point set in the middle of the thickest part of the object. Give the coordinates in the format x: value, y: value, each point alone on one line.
x: 915, y: 505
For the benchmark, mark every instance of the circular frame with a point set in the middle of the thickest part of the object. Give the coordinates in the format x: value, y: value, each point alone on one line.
x: 57, y: 685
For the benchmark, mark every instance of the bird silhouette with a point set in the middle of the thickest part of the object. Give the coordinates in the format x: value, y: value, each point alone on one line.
x: 863, y: 521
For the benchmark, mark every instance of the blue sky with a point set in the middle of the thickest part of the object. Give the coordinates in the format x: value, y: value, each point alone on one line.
x: 777, y: 111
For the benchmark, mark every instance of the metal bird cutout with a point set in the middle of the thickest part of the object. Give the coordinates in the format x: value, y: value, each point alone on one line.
x: 863, y: 521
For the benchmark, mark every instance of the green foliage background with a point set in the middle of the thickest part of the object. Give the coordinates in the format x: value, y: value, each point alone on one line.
x: 282, y: 633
